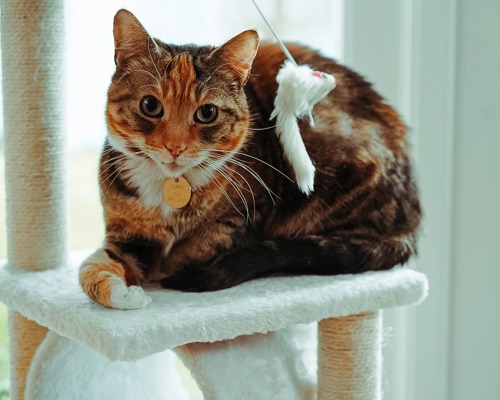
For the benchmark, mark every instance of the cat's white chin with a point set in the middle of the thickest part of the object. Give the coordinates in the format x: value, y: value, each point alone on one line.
x: 173, y: 169
x: 149, y: 178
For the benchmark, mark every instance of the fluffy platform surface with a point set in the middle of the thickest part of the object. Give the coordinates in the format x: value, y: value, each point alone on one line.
x: 53, y: 298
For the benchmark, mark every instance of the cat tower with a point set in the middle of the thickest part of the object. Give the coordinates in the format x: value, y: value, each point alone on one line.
x: 247, y: 342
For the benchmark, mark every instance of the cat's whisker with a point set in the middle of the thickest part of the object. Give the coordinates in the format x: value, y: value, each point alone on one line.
x: 128, y: 162
x: 216, y: 157
x: 117, y: 173
x: 212, y: 74
x: 243, y: 165
x: 257, y: 177
x: 224, y: 93
x: 236, y: 188
x: 249, y: 190
x: 143, y: 71
x: 112, y: 159
x: 259, y: 160
x: 151, y: 57
x: 219, y: 185
x: 112, y: 163
x: 108, y: 151
x: 122, y: 155
x: 265, y: 163
x: 170, y: 62
x: 233, y: 184
x: 144, y: 154
x: 243, y: 188
x: 263, y: 129
x: 256, y: 118
x: 213, y: 179
x: 143, y: 86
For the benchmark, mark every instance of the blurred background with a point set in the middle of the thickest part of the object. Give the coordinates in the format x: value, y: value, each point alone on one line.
x: 438, y: 63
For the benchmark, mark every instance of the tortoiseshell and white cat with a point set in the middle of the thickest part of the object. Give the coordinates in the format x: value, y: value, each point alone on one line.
x: 202, y: 113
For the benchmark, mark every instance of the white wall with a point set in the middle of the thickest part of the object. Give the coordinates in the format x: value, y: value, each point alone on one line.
x: 475, y: 297
x: 438, y: 62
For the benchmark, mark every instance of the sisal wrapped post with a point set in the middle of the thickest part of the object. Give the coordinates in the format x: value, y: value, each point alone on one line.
x: 25, y: 337
x: 32, y: 63
x: 350, y: 357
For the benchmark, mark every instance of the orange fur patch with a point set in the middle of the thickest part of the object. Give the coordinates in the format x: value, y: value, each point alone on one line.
x: 117, y: 126
x: 94, y: 278
x: 179, y: 83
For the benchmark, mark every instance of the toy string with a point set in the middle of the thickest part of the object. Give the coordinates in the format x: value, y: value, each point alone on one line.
x: 280, y: 42
x: 284, y: 48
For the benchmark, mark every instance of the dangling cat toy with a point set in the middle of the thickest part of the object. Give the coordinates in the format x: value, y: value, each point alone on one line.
x: 299, y: 89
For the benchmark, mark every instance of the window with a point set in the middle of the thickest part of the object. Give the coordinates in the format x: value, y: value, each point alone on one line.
x: 89, y: 66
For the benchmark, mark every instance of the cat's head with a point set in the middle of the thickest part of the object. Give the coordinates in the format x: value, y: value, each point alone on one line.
x: 177, y: 107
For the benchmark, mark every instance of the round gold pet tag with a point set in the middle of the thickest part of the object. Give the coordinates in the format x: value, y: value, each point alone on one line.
x: 176, y: 192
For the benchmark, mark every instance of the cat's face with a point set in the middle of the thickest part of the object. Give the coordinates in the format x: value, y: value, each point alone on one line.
x: 178, y: 108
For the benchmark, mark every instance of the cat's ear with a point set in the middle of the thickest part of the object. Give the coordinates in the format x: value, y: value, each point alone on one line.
x: 130, y: 36
x: 236, y: 56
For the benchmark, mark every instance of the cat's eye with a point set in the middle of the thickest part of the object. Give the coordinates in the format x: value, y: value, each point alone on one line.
x: 206, y: 114
x: 151, y: 107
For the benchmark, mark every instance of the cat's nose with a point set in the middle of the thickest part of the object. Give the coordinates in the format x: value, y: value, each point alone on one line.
x: 176, y: 149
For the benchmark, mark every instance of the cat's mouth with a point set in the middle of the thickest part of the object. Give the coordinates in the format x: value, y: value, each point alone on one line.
x: 173, y: 166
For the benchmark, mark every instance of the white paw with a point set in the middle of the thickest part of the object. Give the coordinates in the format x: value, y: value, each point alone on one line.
x: 127, y: 297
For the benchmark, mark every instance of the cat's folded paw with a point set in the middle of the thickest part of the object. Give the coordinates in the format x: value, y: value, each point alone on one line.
x: 127, y: 297
x: 103, y: 280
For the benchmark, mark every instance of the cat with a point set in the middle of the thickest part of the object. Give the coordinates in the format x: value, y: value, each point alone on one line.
x: 200, y: 115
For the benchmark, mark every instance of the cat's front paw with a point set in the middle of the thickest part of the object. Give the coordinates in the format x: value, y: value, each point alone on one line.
x: 103, y: 279
x: 126, y: 297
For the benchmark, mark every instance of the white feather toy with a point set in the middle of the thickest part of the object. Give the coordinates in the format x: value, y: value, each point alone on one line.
x: 299, y: 89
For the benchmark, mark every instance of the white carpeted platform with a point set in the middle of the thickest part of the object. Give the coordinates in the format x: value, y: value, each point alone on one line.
x: 54, y: 299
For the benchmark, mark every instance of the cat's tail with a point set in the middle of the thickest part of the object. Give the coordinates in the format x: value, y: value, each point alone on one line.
x: 312, y: 255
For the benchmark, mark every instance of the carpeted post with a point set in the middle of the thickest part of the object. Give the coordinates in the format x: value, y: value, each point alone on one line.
x: 25, y: 337
x: 350, y: 357
x: 32, y: 63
